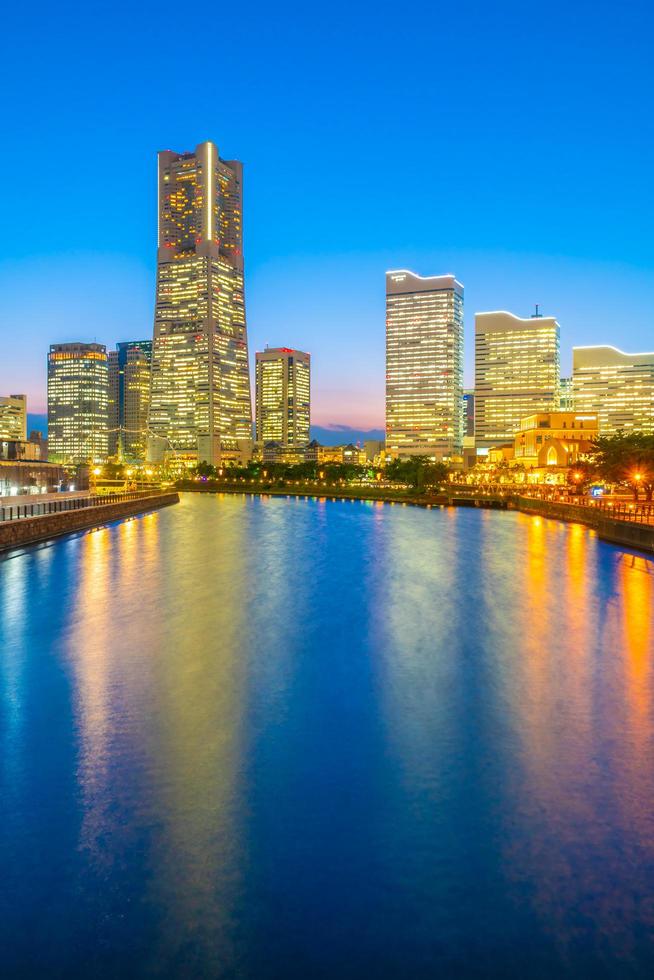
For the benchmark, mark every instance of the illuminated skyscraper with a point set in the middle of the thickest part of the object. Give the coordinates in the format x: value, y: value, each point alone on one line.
x: 424, y: 365
x: 77, y: 403
x: 13, y: 417
x: 516, y: 373
x: 283, y: 396
x: 200, y: 398
x: 618, y: 387
x: 129, y: 397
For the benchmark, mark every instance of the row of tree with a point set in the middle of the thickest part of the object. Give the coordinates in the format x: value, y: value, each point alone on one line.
x: 624, y: 459
x: 417, y: 472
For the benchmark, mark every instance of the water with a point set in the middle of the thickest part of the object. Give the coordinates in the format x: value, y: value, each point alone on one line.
x: 303, y: 739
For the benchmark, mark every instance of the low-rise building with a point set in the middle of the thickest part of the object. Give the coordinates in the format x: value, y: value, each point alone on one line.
x: 19, y: 476
x: 554, y: 441
x: 19, y: 449
x: 275, y: 452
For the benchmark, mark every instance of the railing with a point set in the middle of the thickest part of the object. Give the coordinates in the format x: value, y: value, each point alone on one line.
x: 635, y: 512
x: 621, y: 511
x: 36, y: 506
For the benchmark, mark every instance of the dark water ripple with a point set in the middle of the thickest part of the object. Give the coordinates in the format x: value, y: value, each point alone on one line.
x: 304, y: 739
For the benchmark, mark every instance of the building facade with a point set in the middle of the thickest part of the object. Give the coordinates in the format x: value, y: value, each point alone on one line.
x: 283, y: 396
x: 200, y: 397
x: 468, y: 412
x: 424, y: 365
x: 554, y: 439
x: 516, y: 373
x: 13, y: 417
x: 618, y: 387
x: 129, y: 398
x: 78, y: 387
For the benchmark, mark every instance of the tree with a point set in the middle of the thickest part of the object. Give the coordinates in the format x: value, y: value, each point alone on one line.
x: 417, y: 472
x: 626, y: 458
x: 581, y: 475
x: 205, y: 469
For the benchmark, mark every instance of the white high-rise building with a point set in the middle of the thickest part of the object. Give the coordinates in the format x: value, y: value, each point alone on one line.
x: 618, y: 387
x: 283, y: 396
x: 78, y: 395
x: 516, y: 373
x: 424, y: 365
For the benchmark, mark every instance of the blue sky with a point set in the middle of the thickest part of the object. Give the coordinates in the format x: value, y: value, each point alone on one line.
x: 509, y: 143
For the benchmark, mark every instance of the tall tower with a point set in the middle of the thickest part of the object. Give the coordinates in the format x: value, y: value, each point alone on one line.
x: 283, y: 396
x: 200, y: 399
x: 129, y: 397
x: 77, y: 403
x: 424, y: 365
x: 516, y: 373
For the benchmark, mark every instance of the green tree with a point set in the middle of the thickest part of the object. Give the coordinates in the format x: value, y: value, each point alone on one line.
x: 205, y: 469
x: 417, y: 472
x: 626, y: 459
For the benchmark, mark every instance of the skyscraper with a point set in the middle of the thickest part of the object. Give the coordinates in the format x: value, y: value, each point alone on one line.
x: 283, y: 396
x: 13, y: 417
x: 77, y: 403
x: 618, y: 387
x: 129, y: 397
x: 424, y: 365
x: 516, y: 373
x: 200, y: 398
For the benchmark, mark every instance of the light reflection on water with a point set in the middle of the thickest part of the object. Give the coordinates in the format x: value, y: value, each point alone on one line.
x: 267, y: 737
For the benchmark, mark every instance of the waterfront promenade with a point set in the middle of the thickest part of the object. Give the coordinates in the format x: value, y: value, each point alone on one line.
x: 21, y: 526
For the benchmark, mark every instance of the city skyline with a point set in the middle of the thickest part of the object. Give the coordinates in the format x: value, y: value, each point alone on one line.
x: 509, y: 204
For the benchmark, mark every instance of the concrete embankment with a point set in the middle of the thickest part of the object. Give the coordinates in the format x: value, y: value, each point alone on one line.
x: 627, y: 533
x: 327, y: 493
x: 31, y: 530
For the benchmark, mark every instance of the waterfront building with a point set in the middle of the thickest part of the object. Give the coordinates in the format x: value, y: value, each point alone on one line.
x: 516, y: 373
x: 275, y: 452
x: 200, y: 398
x: 619, y: 387
x: 283, y: 396
x: 551, y: 442
x: 78, y: 403
x: 355, y: 455
x: 424, y: 365
x: 22, y: 475
x: 129, y: 398
x: 322, y: 455
x: 13, y: 417
x: 19, y: 449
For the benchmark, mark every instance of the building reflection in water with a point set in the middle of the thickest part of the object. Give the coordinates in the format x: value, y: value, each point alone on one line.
x: 465, y: 697
x: 164, y: 689
x: 583, y: 620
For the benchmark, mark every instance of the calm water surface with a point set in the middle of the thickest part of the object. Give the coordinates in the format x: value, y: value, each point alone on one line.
x: 299, y: 739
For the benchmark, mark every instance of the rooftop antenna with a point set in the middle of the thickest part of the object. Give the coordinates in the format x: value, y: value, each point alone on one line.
x: 537, y: 313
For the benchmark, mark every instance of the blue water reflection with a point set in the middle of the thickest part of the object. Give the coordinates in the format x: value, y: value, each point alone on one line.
x: 261, y: 738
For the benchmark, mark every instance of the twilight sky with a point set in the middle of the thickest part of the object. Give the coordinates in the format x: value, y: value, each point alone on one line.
x: 510, y: 143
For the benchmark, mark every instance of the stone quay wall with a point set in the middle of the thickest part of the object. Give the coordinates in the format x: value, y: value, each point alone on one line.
x: 31, y: 530
x: 631, y: 534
